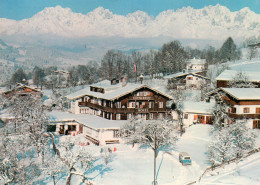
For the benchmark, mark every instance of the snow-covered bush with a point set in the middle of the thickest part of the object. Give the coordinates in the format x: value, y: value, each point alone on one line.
x: 232, y: 141
x: 77, y: 160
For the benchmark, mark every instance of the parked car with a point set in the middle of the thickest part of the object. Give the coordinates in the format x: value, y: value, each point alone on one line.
x: 184, y: 158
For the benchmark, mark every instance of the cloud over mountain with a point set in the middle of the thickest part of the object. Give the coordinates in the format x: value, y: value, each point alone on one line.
x: 212, y: 22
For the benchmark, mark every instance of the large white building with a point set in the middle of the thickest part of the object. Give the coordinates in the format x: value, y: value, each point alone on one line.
x: 98, y: 130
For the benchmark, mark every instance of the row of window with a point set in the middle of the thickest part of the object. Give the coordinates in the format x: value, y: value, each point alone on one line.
x: 245, y: 110
x: 144, y: 116
x: 130, y: 104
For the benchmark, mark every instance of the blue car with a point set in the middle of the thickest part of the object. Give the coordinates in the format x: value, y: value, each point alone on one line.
x: 184, y: 158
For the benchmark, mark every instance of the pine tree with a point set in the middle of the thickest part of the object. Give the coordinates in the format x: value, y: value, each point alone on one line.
x: 229, y: 51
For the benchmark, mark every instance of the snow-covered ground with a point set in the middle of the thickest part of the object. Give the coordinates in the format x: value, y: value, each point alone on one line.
x: 245, y: 65
x: 243, y: 172
x: 135, y: 166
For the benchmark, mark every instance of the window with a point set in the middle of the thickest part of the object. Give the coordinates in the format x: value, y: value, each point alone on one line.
x: 233, y: 110
x: 71, y: 127
x: 143, y: 93
x: 189, y: 78
x: 51, y: 128
x: 131, y: 105
x: 118, y: 104
x: 151, y: 115
x: 160, y: 104
x: 186, y: 116
x: 116, y: 134
x: 257, y: 110
x: 246, y: 110
x: 118, y: 116
x: 142, y: 105
x: 129, y: 116
x: 151, y: 105
x: 160, y: 115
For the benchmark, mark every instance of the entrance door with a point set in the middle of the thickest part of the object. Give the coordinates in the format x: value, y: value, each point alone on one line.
x: 256, y: 124
x: 81, y: 129
x: 61, y: 129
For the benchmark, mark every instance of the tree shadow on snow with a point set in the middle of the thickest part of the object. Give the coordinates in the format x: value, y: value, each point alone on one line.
x: 100, y: 169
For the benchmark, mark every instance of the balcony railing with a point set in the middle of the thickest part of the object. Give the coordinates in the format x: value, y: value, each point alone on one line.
x: 242, y: 116
x: 123, y: 110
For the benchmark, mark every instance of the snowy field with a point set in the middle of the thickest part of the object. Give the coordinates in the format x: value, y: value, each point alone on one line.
x: 132, y: 165
x: 135, y: 166
x: 241, y: 173
x: 245, y: 65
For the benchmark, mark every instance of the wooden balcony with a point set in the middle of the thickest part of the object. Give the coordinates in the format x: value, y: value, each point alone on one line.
x: 123, y: 110
x: 244, y: 116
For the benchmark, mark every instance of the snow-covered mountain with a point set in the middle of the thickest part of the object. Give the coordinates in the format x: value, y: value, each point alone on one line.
x: 212, y: 22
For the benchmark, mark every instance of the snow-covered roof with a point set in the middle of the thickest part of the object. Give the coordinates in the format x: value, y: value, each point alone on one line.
x: 196, y: 61
x: 253, y: 76
x: 113, y: 93
x: 20, y: 86
x: 243, y: 93
x: 104, y: 84
x: 239, y: 93
x: 92, y: 121
x: 187, y: 72
x: 198, y: 107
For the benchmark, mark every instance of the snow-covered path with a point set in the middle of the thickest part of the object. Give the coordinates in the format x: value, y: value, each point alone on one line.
x: 183, y: 174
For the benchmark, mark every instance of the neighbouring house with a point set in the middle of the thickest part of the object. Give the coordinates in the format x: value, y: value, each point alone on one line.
x: 244, y: 104
x: 196, y: 64
x: 187, y: 80
x: 196, y: 113
x: 58, y: 79
x: 117, y: 100
x: 228, y: 75
x: 98, y: 130
x: 22, y: 90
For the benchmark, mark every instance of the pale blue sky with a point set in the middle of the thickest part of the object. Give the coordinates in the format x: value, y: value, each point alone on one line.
x: 21, y: 9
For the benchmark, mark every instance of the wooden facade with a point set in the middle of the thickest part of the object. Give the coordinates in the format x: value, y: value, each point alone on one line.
x: 222, y: 83
x: 144, y: 102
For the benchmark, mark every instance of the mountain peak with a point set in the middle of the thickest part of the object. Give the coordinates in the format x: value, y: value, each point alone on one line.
x: 54, y: 11
x: 101, y: 12
x: 211, y: 22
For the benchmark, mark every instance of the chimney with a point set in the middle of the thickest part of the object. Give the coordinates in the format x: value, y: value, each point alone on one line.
x: 124, y: 81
